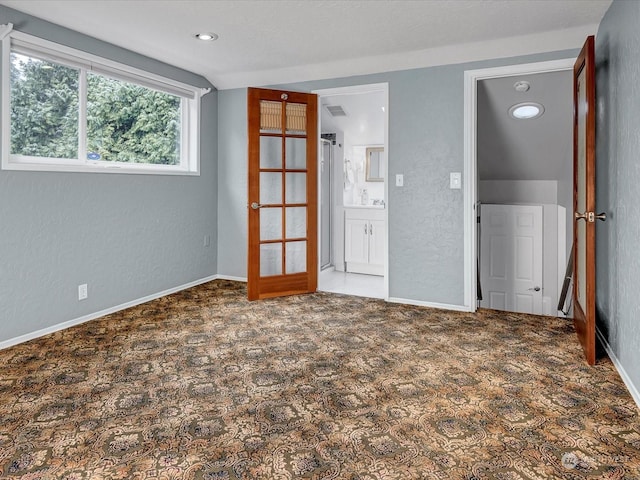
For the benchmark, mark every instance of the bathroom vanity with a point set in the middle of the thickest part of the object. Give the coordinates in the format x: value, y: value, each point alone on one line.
x: 364, y: 228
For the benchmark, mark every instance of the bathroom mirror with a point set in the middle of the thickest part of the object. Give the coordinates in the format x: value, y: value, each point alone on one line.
x: 375, y: 164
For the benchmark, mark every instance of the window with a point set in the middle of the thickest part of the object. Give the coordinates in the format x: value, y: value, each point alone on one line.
x: 66, y: 110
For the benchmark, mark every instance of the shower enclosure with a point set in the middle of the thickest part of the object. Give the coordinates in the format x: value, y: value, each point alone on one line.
x: 326, y: 204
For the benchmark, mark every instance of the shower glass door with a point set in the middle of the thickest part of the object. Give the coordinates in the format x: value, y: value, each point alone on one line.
x: 326, y: 205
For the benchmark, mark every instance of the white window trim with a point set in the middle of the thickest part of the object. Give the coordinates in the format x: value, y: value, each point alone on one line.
x: 190, y: 108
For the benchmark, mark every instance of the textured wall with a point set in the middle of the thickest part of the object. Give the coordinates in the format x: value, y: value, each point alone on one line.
x: 618, y: 182
x: 126, y: 236
x: 426, y: 121
x: 232, y: 183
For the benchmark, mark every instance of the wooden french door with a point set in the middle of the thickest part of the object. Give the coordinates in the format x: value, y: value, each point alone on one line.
x: 282, y: 193
x: 584, y: 199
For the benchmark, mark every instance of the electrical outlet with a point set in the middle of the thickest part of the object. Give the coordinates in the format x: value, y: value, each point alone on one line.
x: 399, y: 180
x: 83, y: 292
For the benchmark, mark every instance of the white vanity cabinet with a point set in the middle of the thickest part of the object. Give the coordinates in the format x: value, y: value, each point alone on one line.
x: 364, y: 238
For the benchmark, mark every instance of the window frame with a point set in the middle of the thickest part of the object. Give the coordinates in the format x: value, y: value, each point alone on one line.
x: 190, y: 99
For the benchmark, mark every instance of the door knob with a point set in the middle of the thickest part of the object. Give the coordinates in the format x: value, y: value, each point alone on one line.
x: 591, y: 216
x: 255, y: 205
x: 535, y: 289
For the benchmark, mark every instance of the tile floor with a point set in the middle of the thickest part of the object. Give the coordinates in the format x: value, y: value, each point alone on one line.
x: 356, y: 284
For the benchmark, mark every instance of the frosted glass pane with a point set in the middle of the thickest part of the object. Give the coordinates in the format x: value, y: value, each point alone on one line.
x: 296, y: 257
x: 296, y: 152
x: 270, y: 152
x: 296, y: 222
x: 271, y: 223
x: 581, y: 252
x: 270, y: 188
x: 296, y: 187
x: 270, y: 259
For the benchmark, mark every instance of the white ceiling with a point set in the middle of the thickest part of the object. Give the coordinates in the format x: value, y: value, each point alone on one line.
x: 534, y: 149
x: 364, y: 120
x: 265, y: 42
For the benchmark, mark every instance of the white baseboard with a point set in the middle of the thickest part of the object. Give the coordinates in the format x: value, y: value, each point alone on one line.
x: 92, y: 316
x: 231, y: 277
x: 419, y: 303
x: 623, y: 374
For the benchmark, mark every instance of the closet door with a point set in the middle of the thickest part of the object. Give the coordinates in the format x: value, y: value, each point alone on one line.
x: 511, y: 257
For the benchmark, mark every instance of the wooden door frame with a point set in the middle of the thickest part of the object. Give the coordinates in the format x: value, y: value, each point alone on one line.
x: 470, y: 175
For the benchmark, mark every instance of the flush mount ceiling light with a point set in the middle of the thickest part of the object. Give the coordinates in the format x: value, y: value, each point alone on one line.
x: 525, y: 111
x: 522, y: 86
x: 207, y: 37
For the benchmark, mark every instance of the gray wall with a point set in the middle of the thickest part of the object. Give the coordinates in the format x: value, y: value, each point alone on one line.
x: 541, y: 149
x: 618, y: 183
x: 232, y: 183
x: 126, y: 236
x: 518, y: 191
x: 535, y: 149
x: 426, y: 122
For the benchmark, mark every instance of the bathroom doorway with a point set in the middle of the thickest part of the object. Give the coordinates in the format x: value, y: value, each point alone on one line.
x: 352, y: 225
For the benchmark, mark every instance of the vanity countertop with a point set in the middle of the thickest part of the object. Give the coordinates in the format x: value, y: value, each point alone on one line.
x: 374, y: 207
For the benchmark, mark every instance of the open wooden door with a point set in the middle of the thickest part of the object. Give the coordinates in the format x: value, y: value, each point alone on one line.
x: 584, y: 199
x: 282, y: 193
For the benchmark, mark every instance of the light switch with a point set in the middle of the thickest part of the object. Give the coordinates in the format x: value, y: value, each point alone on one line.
x: 455, y: 180
x: 399, y: 180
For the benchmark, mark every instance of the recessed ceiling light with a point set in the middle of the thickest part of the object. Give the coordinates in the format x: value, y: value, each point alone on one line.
x: 207, y: 37
x: 525, y: 111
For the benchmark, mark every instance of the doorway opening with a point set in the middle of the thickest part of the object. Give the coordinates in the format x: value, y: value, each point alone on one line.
x: 352, y: 190
x: 520, y: 169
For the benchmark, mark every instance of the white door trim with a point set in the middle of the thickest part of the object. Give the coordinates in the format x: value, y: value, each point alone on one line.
x: 360, y: 89
x: 470, y: 193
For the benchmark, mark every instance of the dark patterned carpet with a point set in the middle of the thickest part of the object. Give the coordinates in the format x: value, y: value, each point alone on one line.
x: 205, y: 385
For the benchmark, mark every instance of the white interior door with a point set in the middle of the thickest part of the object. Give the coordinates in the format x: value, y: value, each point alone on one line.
x: 511, y: 257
